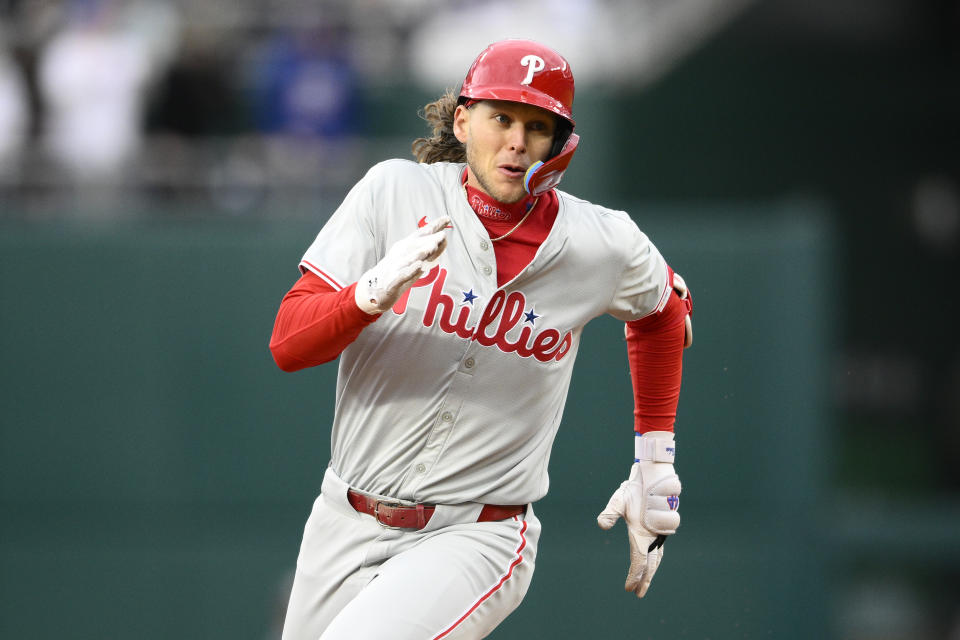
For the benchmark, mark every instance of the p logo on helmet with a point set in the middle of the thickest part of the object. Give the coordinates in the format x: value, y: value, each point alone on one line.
x: 534, y: 65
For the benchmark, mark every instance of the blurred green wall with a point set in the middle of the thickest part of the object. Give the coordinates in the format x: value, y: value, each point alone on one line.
x: 156, y: 468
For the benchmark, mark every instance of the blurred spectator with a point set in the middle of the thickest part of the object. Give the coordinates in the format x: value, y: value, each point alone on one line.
x: 305, y: 84
x: 14, y: 113
x: 197, y: 97
x: 93, y: 76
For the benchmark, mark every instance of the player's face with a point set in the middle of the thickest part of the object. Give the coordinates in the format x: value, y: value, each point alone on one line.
x: 502, y: 140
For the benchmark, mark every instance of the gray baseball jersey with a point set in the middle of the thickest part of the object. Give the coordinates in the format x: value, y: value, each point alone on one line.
x: 455, y: 395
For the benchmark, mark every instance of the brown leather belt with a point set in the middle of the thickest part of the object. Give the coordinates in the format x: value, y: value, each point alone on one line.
x: 393, y: 514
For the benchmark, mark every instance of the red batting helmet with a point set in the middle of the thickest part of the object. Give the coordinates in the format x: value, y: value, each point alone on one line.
x: 522, y: 71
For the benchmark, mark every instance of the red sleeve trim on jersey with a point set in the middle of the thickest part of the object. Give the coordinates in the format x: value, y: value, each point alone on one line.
x: 667, y: 289
x: 655, y: 353
x: 315, y: 323
x: 664, y: 296
x: 333, y: 282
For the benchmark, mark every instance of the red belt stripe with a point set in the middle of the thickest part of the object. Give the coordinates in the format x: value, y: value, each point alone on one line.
x: 417, y: 516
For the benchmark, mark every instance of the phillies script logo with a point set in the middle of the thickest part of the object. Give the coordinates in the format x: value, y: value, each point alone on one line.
x: 503, y: 313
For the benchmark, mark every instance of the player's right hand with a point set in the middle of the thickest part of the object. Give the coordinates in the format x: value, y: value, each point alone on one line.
x: 648, y: 503
x: 404, y: 263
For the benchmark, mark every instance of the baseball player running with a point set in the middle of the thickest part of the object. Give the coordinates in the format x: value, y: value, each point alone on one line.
x: 455, y: 290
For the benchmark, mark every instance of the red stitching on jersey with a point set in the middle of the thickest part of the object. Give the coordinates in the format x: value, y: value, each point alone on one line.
x: 506, y: 576
x: 327, y: 277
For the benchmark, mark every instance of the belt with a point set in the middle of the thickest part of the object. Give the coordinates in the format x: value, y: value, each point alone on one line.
x: 399, y: 516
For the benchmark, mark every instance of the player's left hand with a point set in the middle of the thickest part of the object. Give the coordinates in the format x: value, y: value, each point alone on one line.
x: 648, y: 503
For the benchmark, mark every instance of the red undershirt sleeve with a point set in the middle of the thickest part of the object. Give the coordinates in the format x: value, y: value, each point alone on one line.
x: 655, y: 353
x: 315, y: 324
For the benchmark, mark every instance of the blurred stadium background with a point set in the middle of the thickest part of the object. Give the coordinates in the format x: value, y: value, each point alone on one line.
x: 164, y: 164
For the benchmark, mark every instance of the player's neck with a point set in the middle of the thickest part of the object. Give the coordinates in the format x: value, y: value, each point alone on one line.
x: 488, y: 207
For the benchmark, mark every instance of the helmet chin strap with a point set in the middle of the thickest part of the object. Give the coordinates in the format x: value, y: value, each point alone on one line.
x: 543, y: 176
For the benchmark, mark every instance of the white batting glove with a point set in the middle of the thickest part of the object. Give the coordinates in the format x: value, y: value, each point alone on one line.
x: 404, y: 263
x: 648, y: 504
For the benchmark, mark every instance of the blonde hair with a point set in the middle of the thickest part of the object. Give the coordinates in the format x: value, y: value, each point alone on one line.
x: 443, y: 145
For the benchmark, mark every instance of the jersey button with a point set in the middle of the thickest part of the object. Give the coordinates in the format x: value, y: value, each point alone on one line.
x: 446, y: 416
x: 487, y: 270
x: 421, y: 468
x: 484, y: 245
x: 468, y: 363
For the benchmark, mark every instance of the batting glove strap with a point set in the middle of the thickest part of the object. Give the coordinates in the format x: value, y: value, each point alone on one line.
x: 654, y: 446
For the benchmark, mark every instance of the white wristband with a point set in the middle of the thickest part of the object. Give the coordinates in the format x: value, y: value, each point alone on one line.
x: 654, y: 446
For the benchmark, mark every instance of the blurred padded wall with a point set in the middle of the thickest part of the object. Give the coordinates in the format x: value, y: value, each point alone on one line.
x: 156, y: 468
